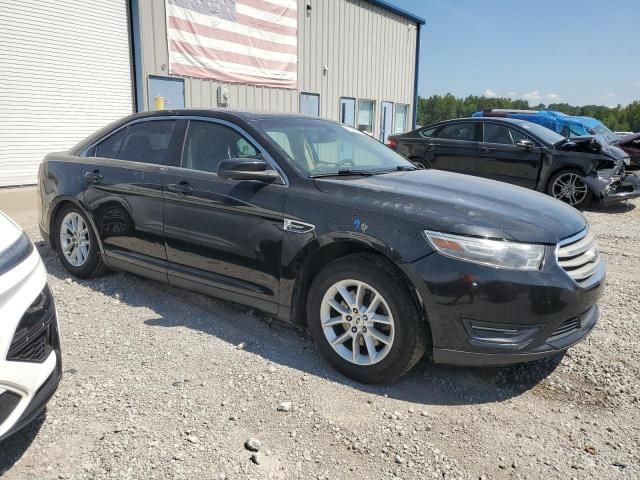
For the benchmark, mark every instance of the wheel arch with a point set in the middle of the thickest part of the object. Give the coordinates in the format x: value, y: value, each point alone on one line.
x: 420, y: 159
x: 55, y: 209
x: 318, y: 258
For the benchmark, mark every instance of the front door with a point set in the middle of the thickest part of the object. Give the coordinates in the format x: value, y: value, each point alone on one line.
x: 123, y: 192
x: 500, y: 158
x: 223, y: 237
x: 386, y: 121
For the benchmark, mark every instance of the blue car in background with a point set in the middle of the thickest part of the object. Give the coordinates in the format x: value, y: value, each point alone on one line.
x: 566, y: 125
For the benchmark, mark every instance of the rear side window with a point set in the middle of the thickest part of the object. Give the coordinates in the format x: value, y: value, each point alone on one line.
x: 110, y: 147
x: 427, y: 132
x: 148, y: 142
x: 208, y: 143
x: 459, y: 131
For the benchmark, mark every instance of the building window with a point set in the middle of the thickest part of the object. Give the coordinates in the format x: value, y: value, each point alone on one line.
x: 366, y: 115
x: 348, y: 111
x: 310, y: 104
x: 401, y: 115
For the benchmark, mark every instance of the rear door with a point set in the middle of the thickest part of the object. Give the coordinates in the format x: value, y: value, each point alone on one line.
x: 454, y: 147
x: 500, y: 158
x: 123, y: 192
x: 223, y: 237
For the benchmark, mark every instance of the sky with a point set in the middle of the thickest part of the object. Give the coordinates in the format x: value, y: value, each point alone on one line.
x: 575, y: 51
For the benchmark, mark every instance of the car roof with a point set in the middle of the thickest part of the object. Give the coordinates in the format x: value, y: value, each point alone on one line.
x: 508, y: 121
x: 220, y: 113
x: 216, y: 112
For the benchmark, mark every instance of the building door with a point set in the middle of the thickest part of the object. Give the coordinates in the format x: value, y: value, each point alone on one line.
x: 310, y: 104
x: 348, y: 111
x: 386, y: 121
x: 66, y: 72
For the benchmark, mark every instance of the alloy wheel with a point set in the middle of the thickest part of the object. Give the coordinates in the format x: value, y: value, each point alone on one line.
x: 357, y: 322
x: 569, y: 188
x: 74, y: 239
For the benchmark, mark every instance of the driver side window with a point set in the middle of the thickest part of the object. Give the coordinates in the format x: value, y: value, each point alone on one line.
x: 208, y: 143
x: 501, y: 134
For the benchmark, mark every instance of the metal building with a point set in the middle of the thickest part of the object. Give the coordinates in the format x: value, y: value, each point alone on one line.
x: 72, y: 67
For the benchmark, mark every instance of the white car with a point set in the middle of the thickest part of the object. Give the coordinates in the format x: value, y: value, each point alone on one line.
x: 30, y: 362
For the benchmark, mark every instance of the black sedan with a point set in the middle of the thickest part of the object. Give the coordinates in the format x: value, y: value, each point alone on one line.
x: 317, y: 223
x: 574, y: 170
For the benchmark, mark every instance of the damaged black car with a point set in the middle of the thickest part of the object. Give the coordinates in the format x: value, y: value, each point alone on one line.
x: 577, y: 170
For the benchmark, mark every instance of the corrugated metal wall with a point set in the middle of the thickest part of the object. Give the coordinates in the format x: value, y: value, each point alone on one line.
x: 369, y: 53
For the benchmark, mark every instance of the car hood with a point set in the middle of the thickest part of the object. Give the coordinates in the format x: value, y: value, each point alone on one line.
x: 462, y: 204
x: 624, y: 141
x: 593, y: 144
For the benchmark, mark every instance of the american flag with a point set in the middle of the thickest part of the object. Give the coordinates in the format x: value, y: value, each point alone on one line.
x: 241, y: 41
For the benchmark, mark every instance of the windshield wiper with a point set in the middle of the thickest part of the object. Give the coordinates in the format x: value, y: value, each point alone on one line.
x: 343, y: 172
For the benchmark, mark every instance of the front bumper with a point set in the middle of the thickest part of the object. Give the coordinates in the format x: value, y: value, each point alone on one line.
x: 612, y: 188
x: 482, y: 315
x: 30, y: 359
x: 550, y: 347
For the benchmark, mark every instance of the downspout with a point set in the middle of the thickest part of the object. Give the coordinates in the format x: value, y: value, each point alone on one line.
x: 136, y: 57
x: 415, y: 81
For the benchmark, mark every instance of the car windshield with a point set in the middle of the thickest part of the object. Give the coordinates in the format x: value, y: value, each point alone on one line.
x: 543, y: 133
x: 319, y: 147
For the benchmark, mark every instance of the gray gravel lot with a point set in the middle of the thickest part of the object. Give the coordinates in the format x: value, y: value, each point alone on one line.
x: 164, y: 383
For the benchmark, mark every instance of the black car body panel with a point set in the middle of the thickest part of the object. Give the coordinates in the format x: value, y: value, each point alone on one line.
x: 257, y: 243
x: 631, y: 145
x: 602, y: 165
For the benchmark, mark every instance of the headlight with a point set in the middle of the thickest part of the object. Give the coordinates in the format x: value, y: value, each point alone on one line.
x: 497, y: 253
x: 15, y: 253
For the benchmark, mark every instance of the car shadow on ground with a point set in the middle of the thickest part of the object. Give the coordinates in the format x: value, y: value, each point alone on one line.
x: 614, y: 209
x: 12, y: 448
x: 290, y: 346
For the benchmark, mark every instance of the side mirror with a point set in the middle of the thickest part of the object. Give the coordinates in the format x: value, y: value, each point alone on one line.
x: 525, y: 143
x: 247, y: 169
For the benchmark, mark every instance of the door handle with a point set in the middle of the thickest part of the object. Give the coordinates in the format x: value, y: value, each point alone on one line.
x: 94, y: 176
x: 182, y: 187
x: 487, y: 149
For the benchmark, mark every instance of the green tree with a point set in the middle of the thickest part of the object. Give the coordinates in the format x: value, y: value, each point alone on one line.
x: 445, y: 107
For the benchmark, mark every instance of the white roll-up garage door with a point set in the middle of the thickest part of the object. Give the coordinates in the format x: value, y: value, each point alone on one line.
x: 65, y: 72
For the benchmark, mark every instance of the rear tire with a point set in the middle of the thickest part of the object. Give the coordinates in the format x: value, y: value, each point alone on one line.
x: 380, y: 319
x: 421, y: 163
x: 568, y: 187
x: 76, y: 243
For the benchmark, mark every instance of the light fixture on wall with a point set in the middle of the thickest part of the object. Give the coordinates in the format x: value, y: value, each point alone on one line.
x: 325, y: 69
x: 308, y: 10
x: 223, y: 96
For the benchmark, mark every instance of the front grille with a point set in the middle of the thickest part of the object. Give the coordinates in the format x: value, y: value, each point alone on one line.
x: 569, y: 326
x: 579, y: 256
x: 8, y: 403
x: 36, y: 334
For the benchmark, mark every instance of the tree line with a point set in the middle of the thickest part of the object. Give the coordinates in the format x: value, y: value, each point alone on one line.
x: 444, y: 107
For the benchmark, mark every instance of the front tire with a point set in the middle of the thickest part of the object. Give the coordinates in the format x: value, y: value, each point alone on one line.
x: 567, y: 186
x: 76, y: 244
x: 364, y: 320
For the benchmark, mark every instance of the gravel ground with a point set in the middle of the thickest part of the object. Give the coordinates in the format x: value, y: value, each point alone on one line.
x: 164, y: 383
